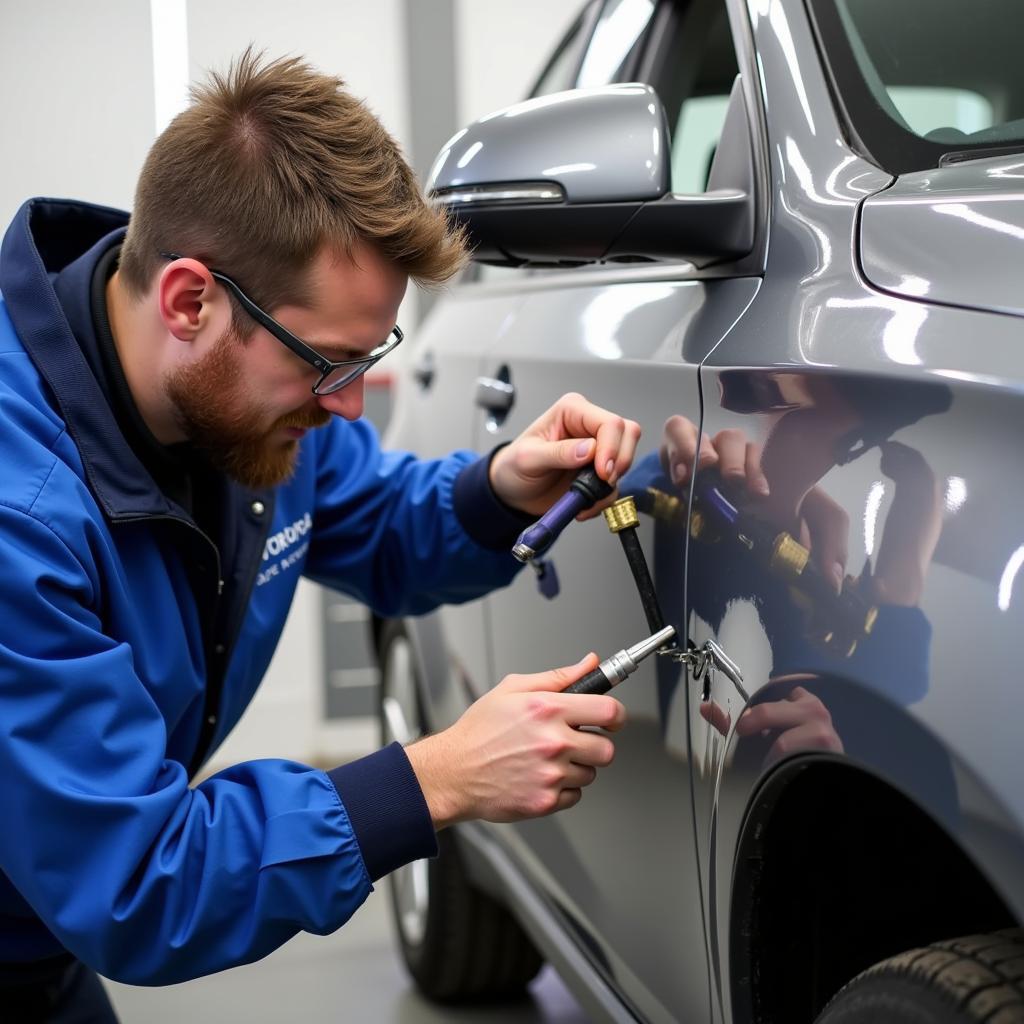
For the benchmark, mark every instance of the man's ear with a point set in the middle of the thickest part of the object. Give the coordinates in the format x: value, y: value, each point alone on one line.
x: 188, y: 300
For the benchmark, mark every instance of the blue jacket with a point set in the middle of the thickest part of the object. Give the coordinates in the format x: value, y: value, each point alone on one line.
x: 114, y: 685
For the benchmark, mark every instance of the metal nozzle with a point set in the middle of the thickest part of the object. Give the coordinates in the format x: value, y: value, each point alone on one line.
x: 640, y: 651
x: 523, y: 553
x: 624, y: 663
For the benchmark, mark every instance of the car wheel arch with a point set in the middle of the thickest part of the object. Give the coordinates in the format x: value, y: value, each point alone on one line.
x: 793, y: 941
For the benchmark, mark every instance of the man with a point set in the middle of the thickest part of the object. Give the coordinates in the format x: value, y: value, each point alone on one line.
x: 177, y: 400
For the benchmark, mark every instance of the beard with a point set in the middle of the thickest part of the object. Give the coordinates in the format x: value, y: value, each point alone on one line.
x: 232, y: 434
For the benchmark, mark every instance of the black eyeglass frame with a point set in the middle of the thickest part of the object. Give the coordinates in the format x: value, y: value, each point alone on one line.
x: 296, y: 344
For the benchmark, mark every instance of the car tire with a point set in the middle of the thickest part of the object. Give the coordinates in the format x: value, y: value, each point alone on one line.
x: 458, y: 943
x: 975, y: 979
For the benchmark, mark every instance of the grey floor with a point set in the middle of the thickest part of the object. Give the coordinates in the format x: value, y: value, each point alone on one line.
x: 351, y: 976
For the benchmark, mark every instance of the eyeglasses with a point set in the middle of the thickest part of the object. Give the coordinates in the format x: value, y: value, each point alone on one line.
x: 334, y: 374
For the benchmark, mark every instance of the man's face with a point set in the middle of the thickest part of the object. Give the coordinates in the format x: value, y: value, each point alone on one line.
x: 247, y: 403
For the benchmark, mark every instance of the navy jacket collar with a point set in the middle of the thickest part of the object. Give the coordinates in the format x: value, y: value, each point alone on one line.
x: 44, y: 237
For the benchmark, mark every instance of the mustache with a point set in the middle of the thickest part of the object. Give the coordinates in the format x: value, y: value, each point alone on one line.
x: 308, y: 419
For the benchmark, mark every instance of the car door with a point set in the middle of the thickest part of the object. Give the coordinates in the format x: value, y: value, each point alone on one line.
x: 855, y: 563
x: 448, y: 359
x: 621, y: 868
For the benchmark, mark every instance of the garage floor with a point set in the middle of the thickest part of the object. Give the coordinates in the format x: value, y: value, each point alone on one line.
x: 351, y: 976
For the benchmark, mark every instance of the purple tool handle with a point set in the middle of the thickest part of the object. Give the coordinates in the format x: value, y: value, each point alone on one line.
x: 586, y: 489
x: 542, y: 533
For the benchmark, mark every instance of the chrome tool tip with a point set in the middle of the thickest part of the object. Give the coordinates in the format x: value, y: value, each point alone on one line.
x: 640, y: 651
x: 523, y: 553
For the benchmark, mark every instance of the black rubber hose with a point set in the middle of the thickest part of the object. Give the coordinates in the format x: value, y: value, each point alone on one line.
x: 642, y: 576
x: 595, y: 681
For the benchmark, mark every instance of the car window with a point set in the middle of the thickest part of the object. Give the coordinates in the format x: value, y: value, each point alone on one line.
x: 930, y: 110
x: 561, y: 70
x: 683, y: 48
x: 692, y: 65
x: 616, y: 38
x: 924, y: 80
x: 694, y: 141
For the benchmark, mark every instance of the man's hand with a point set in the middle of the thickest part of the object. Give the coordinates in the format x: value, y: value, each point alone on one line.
x: 517, y: 752
x: 799, y: 723
x: 535, y: 470
x: 816, y: 520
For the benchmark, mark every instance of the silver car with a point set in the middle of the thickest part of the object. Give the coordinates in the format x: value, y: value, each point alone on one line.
x: 786, y: 237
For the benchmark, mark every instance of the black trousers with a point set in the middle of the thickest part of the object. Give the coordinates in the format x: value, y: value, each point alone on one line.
x: 61, y: 990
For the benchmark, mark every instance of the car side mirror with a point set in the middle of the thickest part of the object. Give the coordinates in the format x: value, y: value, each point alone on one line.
x: 584, y: 176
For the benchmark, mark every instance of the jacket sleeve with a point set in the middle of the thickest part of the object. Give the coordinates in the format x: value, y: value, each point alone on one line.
x: 402, y: 534
x: 143, y: 878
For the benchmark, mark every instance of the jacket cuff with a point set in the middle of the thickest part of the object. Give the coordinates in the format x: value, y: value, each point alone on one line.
x: 387, y: 811
x: 483, y: 515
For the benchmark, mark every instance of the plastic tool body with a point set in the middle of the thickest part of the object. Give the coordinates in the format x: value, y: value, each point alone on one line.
x: 587, y: 489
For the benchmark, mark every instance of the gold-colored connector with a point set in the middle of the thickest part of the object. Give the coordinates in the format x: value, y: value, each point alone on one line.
x: 621, y: 515
x: 699, y: 526
x: 666, y: 507
x: 788, y: 556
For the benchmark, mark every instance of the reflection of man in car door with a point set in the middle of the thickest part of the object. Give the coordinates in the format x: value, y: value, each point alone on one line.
x: 819, y: 621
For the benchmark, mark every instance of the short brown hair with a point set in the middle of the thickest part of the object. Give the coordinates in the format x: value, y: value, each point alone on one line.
x: 270, y: 162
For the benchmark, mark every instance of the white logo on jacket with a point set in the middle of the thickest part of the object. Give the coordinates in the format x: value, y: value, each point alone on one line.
x: 281, y: 546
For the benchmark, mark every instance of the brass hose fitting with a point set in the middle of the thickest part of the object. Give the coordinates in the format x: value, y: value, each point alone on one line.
x: 622, y: 514
x: 789, y: 557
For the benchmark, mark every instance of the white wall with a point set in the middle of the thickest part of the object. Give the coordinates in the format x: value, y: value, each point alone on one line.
x: 77, y: 112
x: 362, y: 43
x: 79, y: 115
x: 502, y: 49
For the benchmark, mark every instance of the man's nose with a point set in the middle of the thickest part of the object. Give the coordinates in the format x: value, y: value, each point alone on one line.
x: 348, y: 402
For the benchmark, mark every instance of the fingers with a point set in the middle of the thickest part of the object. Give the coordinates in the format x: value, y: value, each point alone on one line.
x: 615, y: 437
x: 567, y: 798
x: 575, y: 709
x: 811, y: 736
x: 800, y: 707
x: 829, y: 527
x: 679, y: 452
x: 536, y: 456
x: 716, y: 716
x: 740, y: 461
x: 595, y: 510
x: 731, y: 446
x: 757, y: 482
x: 555, y: 679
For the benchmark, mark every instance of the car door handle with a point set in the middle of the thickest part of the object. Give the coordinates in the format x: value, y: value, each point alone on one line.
x: 494, y: 395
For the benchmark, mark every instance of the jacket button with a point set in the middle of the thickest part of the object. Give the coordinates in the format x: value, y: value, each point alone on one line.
x: 212, y: 719
x: 219, y: 649
x: 258, y: 508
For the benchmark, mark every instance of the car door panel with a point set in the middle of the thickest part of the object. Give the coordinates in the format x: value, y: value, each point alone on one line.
x: 878, y: 424
x: 625, y: 854
x: 446, y: 361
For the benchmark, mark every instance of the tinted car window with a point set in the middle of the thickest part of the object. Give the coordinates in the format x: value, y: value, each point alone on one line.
x: 560, y: 73
x: 925, y: 79
x: 616, y: 38
x: 692, y: 64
